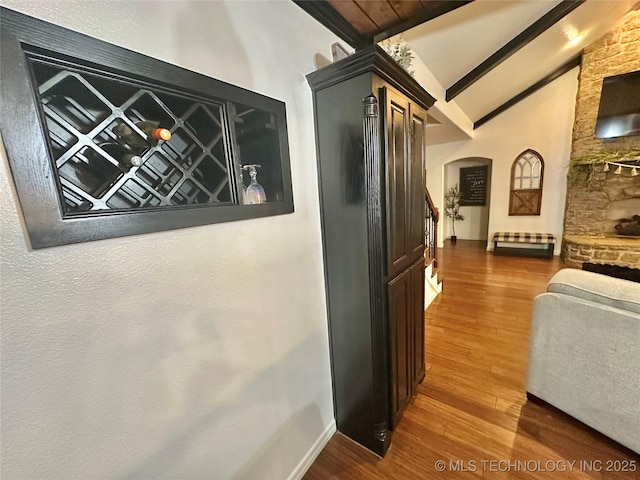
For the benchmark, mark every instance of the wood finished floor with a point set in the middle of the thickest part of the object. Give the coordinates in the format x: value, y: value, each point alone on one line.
x: 472, y: 404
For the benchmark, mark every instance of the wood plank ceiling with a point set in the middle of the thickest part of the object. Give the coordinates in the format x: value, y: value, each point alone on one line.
x: 371, y: 17
x: 362, y: 22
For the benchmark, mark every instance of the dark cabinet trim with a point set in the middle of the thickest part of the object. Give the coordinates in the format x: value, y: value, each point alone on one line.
x: 375, y: 227
x: 371, y: 59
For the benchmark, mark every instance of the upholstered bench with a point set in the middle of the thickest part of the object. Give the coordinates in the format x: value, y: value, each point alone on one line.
x: 521, y: 238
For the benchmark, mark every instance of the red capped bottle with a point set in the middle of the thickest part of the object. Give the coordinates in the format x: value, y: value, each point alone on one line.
x: 126, y: 135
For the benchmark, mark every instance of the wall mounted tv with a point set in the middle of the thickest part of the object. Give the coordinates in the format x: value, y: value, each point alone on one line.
x: 619, y: 113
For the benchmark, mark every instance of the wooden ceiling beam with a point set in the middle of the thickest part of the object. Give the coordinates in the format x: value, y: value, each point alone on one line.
x: 568, y: 66
x: 541, y: 25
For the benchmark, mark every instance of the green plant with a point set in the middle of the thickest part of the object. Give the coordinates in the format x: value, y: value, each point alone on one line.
x: 401, y: 54
x: 452, y: 206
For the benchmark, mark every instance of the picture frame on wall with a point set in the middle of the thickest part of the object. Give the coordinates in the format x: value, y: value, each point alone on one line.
x: 473, y: 186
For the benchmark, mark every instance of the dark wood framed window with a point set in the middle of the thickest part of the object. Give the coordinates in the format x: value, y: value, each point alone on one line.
x: 527, y: 173
x: 104, y: 142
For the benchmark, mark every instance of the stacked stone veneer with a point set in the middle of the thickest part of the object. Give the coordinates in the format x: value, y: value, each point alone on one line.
x: 578, y: 250
x: 586, y: 224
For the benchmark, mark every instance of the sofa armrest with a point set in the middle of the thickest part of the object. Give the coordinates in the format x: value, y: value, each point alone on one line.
x: 584, y: 358
x: 614, y: 292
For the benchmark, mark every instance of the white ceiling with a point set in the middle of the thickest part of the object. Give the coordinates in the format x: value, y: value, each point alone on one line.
x: 454, y: 44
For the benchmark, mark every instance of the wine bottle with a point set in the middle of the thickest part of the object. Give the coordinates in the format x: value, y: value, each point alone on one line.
x: 133, y: 139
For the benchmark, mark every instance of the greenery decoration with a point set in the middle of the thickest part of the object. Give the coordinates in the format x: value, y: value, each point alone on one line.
x: 582, y: 169
x: 452, y: 206
x: 401, y: 54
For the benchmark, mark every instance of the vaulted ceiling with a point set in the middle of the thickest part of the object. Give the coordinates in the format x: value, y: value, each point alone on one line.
x: 486, y: 54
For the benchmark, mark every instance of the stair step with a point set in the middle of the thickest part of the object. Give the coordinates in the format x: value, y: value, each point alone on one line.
x: 436, y: 285
x: 433, y: 284
x: 436, y: 273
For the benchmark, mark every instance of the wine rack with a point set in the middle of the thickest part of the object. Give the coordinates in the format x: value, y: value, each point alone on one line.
x: 81, y: 111
x: 80, y: 177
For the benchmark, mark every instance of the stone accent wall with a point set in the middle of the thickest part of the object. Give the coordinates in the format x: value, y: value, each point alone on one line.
x: 587, y: 203
x: 587, y: 206
x: 576, y: 250
x: 613, y: 54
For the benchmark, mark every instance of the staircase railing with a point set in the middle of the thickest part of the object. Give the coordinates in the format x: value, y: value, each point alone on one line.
x: 431, y: 229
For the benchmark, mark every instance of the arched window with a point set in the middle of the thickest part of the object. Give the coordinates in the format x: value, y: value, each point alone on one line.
x: 526, y: 184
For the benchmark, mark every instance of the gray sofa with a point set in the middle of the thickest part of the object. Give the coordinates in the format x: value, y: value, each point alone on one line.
x: 584, y: 355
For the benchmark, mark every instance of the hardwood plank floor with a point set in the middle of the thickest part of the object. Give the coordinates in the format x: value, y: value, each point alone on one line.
x: 472, y: 404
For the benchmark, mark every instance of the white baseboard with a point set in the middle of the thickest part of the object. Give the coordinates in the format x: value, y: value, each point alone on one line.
x: 313, y: 452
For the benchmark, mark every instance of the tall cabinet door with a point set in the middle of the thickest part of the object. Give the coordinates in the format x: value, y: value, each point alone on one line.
x: 400, y: 333
x: 397, y: 138
x: 417, y: 181
x: 406, y: 326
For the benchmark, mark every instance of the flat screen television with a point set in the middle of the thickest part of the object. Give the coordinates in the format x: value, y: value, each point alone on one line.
x: 619, y: 112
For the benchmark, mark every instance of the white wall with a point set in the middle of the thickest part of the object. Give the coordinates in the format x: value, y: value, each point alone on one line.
x: 450, y: 110
x: 142, y: 357
x: 543, y: 122
x: 476, y: 218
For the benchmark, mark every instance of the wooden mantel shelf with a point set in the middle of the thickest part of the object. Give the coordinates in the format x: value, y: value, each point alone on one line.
x: 603, y: 241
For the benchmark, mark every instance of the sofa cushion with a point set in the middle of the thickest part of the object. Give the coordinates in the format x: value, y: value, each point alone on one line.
x: 603, y: 289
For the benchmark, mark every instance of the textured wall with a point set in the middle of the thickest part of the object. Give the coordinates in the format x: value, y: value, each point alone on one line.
x: 587, y: 208
x: 193, y: 353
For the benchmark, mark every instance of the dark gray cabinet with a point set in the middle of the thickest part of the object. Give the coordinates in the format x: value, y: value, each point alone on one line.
x: 371, y: 178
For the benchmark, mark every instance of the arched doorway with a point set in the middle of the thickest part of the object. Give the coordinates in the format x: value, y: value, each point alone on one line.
x: 476, y: 218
